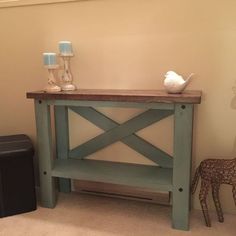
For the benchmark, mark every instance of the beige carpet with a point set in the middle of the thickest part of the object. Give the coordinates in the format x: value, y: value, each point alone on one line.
x: 85, y: 215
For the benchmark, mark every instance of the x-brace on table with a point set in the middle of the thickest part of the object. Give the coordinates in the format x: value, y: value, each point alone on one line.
x: 171, y: 174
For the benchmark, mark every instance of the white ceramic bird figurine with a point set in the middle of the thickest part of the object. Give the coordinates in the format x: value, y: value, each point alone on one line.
x: 175, y: 83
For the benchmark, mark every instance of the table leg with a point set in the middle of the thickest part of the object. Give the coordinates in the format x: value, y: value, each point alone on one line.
x: 62, y: 140
x: 182, y: 165
x: 45, y: 154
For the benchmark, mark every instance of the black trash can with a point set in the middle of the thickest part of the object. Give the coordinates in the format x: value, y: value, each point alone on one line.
x: 17, y: 185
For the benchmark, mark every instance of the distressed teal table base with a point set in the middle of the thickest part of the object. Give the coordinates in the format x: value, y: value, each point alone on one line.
x: 172, y: 173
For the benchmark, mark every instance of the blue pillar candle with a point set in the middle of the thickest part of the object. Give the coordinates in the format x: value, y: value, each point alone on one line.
x: 65, y: 48
x: 50, y: 59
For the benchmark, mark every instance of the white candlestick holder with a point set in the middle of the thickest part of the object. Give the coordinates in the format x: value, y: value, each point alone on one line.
x: 52, y: 84
x: 67, y: 78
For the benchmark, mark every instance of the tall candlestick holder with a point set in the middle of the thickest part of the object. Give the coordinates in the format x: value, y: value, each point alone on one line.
x: 67, y: 78
x: 52, y: 85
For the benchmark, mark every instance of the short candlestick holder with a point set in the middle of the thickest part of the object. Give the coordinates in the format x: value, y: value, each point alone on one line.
x: 52, y: 85
x: 67, y: 78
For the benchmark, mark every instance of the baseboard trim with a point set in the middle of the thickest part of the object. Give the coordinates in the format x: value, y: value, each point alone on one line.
x: 117, y: 191
x: 120, y: 191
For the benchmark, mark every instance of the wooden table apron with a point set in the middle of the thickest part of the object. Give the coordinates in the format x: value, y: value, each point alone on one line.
x: 173, y: 174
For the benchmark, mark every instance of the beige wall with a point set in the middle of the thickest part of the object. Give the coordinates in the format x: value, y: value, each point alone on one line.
x: 127, y: 44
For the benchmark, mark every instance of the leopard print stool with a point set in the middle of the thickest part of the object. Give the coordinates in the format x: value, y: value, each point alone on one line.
x: 214, y: 172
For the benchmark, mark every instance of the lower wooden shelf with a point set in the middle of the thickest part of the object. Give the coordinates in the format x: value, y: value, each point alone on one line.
x: 135, y: 175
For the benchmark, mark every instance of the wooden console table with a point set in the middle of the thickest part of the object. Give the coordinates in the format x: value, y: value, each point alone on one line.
x: 171, y: 174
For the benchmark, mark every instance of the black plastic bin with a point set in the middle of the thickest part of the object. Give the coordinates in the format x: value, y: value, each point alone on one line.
x: 17, y: 185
